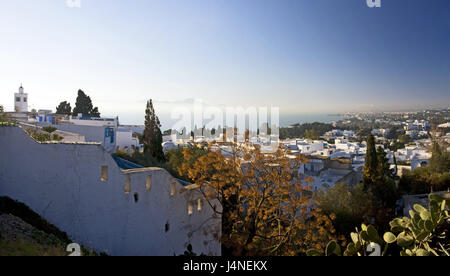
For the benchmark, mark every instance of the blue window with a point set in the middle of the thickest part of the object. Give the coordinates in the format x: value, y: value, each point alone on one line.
x: 109, y: 132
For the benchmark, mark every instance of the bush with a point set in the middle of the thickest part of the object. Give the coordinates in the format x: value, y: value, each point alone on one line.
x: 56, y: 137
x: 175, y: 159
x: 423, y: 180
x: 350, y: 206
x: 49, y: 129
x: 45, y: 136
x: 27, y: 248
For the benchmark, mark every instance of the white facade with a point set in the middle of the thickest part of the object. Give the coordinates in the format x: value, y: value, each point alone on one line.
x: 168, y: 146
x: 416, y: 156
x: 125, y: 140
x: 21, y: 101
x: 99, y: 122
x: 380, y: 132
x: 339, y: 133
x: 80, y: 189
x: 309, y: 147
x: 106, y: 135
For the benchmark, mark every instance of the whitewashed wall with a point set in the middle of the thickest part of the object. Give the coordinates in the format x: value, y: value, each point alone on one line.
x: 62, y: 182
x: 125, y: 139
x: 94, y: 134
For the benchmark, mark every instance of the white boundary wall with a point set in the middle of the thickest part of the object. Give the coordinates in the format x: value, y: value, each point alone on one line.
x: 62, y: 182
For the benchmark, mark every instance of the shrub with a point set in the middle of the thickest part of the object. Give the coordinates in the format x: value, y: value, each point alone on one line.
x: 56, y: 137
x: 49, y: 129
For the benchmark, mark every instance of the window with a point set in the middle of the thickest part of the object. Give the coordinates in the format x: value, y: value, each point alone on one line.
x: 24, y: 100
x: 148, y: 184
x: 17, y: 99
x: 167, y: 227
x: 109, y: 133
x: 173, y: 189
x: 190, y: 208
x: 199, y: 204
x: 136, y: 197
x: 127, y: 185
x: 104, y: 177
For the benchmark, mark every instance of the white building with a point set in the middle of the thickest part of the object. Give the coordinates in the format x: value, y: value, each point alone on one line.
x: 21, y: 101
x: 352, y: 148
x: 416, y: 156
x: 100, y: 130
x: 93, y: 121
x: 447, y: 125
x: 323, y: 173
x: 168, y: 146
x: 339, y: 133
x: 309, y: 147
x: 126, y: 141
x: 380, y: 132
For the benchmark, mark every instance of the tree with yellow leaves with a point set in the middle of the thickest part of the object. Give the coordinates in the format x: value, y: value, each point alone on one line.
x: 266, y: 207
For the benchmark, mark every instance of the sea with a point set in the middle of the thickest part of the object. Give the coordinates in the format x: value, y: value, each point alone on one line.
x: 286, y: 120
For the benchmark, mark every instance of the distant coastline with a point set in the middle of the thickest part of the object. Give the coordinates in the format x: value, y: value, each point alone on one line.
x: 291, y: 119
x: 286, y: 120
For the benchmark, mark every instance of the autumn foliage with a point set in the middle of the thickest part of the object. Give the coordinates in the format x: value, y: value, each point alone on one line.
x: 265, y: 204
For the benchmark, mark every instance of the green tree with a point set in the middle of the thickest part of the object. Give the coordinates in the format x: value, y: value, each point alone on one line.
x: 384, y: 173
x: 396, y: 167
x: 64, y: 108
x: 49, y: 129
x: 422, y: 181
x: 95, y: 112
x: 404, y: 139
x: 440, y: 160
x: 349, y: 205
x: 143, y: 159
x: 312, y: 134
x: 84, y: 106
x: 152, y: 134
x: 378, y: 179
x: 4, y: 117
x: 384, y: 187
x: 370, y: 167
x: 175, y: 160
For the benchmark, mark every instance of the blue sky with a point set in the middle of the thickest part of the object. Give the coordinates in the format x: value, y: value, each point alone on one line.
x: 304, y: 56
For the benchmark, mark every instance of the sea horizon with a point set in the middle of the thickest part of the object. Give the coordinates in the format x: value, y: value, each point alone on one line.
x: 286, y: 120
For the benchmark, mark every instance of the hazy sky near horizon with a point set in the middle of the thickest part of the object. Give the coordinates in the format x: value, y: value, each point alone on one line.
x: 304, y: 56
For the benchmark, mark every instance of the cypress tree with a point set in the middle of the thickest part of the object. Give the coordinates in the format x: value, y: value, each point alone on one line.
x: 383, y: 168
x: 64, y: 108
x: 440, y: 160
x: 84, y: 106
x: 396, y: 166
x: 152, y: 137
x: 370, y: 167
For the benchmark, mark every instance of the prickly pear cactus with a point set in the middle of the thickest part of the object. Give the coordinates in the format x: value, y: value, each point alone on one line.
x: 423, y: 234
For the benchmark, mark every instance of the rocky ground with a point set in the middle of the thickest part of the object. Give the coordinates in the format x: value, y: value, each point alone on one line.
x: 18, y: 238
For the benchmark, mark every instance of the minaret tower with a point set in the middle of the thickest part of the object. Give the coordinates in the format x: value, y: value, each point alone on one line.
x: 21, y: 101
